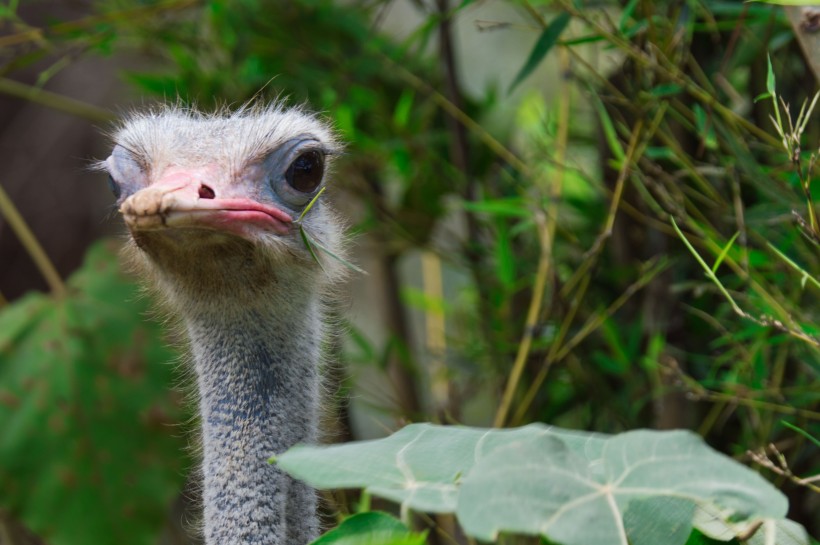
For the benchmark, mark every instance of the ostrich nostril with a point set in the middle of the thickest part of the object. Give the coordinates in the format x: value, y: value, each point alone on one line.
x: 206, y: 192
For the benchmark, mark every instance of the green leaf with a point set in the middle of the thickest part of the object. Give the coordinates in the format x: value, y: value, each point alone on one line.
x: 653, y: 152
x: 770, y: 78
x: 780, y: 532
x: 772, y: 92
x: 666, y: 520
x: 724, y: 252
x: 419, y: 299
x: 401, y: 467
x: 309, y: 242
x: 805, y: 275
x: 310, y: 204
x: 548, y: 39
x: 610, y: 133
x: 510, y: 207
x: 802, y: 432
x: 762, y: 96
x: 543, y: 489
x: 504, y: 258
x: 697, y: 538
x: 91, y: 448
x: 401, y: 113
x: 373, y: 528
x: 765, y: 532
x: 705, y: 128
x: 628, y: 12
x: 540, y: 480
x: 666, y: 89
x: 784, y: 2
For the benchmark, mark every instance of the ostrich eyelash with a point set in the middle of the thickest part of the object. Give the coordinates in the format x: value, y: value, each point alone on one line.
x: 310, y: 242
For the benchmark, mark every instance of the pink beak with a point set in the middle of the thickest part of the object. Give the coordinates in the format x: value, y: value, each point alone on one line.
x: 181, y: 198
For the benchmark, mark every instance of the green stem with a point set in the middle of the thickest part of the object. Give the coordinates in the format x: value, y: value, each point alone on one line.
x: 31, y: 244
x: 55, y: 101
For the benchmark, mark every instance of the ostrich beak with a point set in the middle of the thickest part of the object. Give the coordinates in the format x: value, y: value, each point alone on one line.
x: 181, y: 199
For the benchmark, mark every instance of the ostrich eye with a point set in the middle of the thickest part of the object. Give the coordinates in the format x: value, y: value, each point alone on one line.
x: 305, y: 173
x: 114, y: 187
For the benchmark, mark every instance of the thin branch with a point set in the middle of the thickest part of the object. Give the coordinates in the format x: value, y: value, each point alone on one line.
x: 530, y: 325
x: 546, y: 236
x: 473, y: 126
x: 763, y: 320
x: 56, y: 101
x: 31, y: 244
x: 782, y: 467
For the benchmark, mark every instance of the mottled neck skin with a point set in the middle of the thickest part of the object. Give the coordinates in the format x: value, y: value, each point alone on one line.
x: 258, y: 383
x: 255, y: 328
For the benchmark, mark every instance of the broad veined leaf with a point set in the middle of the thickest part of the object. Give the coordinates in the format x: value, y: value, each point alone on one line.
x: 91, y: 449
x: 420, y: 466
x: 762, y: 532
x: 780, y: 532
x: 664, y: 520
x: 572, y: 488
x: 532, y: 487
x: 373, y: 528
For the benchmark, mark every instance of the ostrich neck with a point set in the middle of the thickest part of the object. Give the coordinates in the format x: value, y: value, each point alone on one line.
x: 256, y: 370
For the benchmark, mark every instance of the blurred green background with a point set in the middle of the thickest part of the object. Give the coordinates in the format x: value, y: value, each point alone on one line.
x: 511, y: 175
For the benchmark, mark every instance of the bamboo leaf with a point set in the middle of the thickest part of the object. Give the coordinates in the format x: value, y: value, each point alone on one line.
x: 709, y: 273
x: 666, y: 89
x: 805, y: 274
x: 609, y: 131
x: 548, y: 39
x: 802, y: 432
x: 310, y: 204
x: 507, y: 207
x: 770, y: 80
x: 309, y: 245
x: 310, y: 242
x: 628, y: 12
x: 771, y: 89
x: 723, y: 252
x: 401, y: 113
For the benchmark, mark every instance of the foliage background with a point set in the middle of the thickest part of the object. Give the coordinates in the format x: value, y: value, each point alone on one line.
x: 511, y: 204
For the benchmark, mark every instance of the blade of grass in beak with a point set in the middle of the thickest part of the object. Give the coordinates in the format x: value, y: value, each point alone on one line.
x: 310, y: 243
x: 310, y: 204
x: 306, y: 239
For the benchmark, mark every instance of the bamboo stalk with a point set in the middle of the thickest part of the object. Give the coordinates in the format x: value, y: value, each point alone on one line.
x: 56, y: 101
x: 547, y: 224
x: 31, y: 244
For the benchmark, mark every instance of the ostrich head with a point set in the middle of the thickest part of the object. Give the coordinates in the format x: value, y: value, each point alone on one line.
x: 210, y: 200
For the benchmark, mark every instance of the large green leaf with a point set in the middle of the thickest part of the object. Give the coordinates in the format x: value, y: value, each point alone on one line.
x: 536, y: 487
x: 90, y: 448
x: 373, y: 528
x: 768, y: 532
x: 420, y: 466
x: 570, y: 487
x: 780, y: 532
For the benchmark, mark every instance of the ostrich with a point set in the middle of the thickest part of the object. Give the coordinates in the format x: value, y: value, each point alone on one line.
x: 210, y: 201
